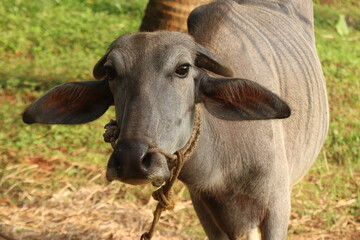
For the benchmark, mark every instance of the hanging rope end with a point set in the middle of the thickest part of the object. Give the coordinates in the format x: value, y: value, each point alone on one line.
x: 145, y: 236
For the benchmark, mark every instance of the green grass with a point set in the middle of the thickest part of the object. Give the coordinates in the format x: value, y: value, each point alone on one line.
x: 340, y: 57
x: 334, y: 178
x: 60, y: 40
x: 44, y: 43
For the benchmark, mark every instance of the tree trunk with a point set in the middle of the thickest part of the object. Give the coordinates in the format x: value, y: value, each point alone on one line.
x: 168, y: 14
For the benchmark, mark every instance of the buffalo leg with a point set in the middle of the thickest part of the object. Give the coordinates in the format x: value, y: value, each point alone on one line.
x: 275, y: 224
x: 253, y: 234
x: 212, y: 230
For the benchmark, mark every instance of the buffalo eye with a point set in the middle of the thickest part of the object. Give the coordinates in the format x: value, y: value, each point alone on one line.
x: 182, y: 71
x: 110, y: 72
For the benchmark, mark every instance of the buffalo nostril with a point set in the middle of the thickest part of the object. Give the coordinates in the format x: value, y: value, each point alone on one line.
x: 146, y: 161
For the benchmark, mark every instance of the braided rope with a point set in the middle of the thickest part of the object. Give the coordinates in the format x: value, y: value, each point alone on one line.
x: 164, y: 194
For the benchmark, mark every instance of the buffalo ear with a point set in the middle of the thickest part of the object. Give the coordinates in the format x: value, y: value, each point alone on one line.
x: 209, y: 61
x: 99, y: 70
x: 71, y: 103
x: 240, y: 99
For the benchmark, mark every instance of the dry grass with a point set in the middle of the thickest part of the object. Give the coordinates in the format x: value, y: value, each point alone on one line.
x: 90, y: 212
x: 97, y: 210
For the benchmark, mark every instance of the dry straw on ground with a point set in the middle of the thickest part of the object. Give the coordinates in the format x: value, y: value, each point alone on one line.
x: 96, y: 210
x: 90, y: 212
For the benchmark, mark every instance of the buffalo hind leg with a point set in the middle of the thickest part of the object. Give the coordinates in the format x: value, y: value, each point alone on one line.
x: 212, y: 230
x: 253, y: 234
x: 275, y: 224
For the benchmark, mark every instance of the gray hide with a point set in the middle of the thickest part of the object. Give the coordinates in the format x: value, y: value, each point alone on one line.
x: 241, y: 174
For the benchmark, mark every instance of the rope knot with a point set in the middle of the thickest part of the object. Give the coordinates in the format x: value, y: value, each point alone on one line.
x: 164, y: 199
x: 112, y: 132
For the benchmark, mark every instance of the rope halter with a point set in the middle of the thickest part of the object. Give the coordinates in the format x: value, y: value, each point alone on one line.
x: 164, y: 194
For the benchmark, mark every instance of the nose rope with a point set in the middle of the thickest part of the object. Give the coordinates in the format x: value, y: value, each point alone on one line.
x: 164, y: 194
x: 168, y: 155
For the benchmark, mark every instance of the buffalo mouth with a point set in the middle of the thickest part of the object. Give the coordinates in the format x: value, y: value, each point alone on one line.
x: 156, y: 181
x: 135, y: 181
